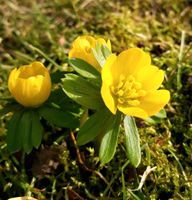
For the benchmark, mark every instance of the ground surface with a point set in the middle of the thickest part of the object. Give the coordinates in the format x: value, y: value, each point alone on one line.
x: 43, y: 30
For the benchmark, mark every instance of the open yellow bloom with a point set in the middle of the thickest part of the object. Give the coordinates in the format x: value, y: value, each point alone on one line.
x: 30, y: 84
x: 82, y: 48
x: 130, y: 83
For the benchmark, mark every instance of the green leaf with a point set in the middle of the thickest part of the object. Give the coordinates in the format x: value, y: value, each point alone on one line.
x: 82, y: 91
x: 61, y: 100
x: 101, y: 52
x: 84, y: 69
x: 157, y: 118
x: 57, y: 76
x: 10, y: 107
x: 161, y: 114
x: 94, y: 126
x: 109, y: 139
x: 24, y: 131
x: 105, y: 51
x: 132, y: 141
x: 36, y: 130
x: 14, y: 142
x: 58, y: 117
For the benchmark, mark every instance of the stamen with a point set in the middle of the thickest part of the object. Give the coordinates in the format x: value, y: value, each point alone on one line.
x: 121, y: 100
x: 133, y: 94
x: 134, y: 102
x: 120, y: 93
x: 120, y: 85
x: 113, y: 90
x: 129, y: 85
x: 127, y: 91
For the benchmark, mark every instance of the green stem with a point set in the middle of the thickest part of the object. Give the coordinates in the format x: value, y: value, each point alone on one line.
x: 110, y: 183
x: 183, y: 172
x: 30, y: 46
x: 133, y: 195
x: 180, y: 58
x: 53, y: 189
x: 123, y: 180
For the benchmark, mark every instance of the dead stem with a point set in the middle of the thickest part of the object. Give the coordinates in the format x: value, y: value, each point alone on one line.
x: 83, y: 164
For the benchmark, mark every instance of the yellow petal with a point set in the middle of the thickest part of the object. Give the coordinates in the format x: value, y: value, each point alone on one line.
x: 133, y: 111
x: 150, y: 77
x: 154, y: 101
x: 12, y: 79
x: 100, y: 41
x: 45, y: 89
x: 87, y: 57
x: 90, y: 39
x: 108, y: 69
x: 18, y: 92
x: 28, y: 91
x: 130, y: 61
x: 82, y: 42
x: 39, y: 68
x: 108, y: 98
x: 35, y: 68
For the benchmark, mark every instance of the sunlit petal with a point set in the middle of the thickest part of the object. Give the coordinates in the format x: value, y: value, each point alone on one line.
x: 154, y: 101
x: 108, y: 98
x: 108, y: 69
x: 133, y: 111
x: 150, y: 77
x: 130, y: 61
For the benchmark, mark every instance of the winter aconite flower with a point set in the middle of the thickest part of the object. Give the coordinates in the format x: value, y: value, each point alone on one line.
x: 82, y: 48
x: 130, y: 84
x: 30, y: 84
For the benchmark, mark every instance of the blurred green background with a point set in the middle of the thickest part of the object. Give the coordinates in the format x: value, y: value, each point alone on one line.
x: 44, y: 30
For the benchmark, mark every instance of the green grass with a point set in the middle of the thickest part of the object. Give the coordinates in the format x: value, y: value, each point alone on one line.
x: 43, y: 30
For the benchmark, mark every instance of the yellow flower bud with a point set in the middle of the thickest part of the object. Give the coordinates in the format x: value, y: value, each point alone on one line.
x: 82, y: 48
x: 30, y: 84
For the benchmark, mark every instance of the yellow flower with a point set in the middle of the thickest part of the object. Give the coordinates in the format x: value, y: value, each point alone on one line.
x: 30, y: 84
x: 82, y: 48
x: 130, y: 83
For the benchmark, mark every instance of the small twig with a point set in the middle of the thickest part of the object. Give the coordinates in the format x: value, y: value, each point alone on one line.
x: 143, y: 178
x: 77, y: 148
x: 80, y: 160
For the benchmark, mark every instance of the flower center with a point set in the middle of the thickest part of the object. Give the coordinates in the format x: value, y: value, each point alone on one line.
x: 128, y: 91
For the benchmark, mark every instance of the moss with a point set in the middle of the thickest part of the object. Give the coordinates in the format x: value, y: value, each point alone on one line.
x: 50, y: 27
